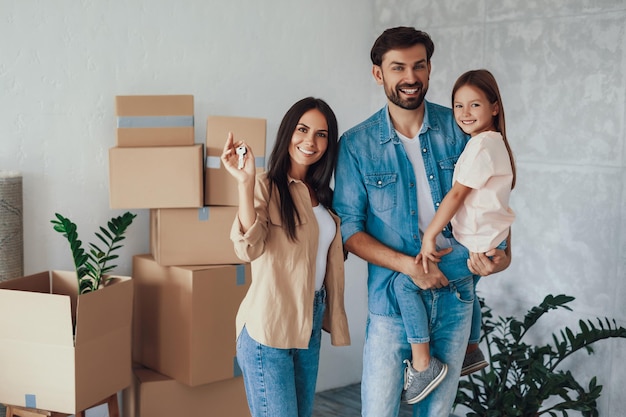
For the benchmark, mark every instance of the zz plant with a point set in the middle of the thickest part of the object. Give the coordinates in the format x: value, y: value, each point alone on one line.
x: 525, y: 380
x: 93, y: 266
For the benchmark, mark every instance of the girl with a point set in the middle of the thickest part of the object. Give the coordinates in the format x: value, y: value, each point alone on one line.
x: 477, y: 207
x: 286, y: 229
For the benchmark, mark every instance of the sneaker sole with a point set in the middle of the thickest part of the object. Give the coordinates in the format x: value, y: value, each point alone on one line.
x: 434, y: 383
x: 475, y: 367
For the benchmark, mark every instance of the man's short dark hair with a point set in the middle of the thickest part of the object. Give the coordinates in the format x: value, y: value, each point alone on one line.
x: 400, y: 37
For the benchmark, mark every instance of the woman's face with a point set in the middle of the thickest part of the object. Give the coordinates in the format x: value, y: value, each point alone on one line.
x: 308, y: 143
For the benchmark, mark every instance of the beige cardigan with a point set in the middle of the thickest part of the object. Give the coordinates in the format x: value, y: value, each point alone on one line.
x: 278, y: 307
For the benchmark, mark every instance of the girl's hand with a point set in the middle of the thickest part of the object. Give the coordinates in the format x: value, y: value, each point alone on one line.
x: 430, y: 253
x: 230, y: 159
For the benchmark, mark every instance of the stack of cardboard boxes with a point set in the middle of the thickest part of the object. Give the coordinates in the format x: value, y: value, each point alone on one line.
x: 188, y: 289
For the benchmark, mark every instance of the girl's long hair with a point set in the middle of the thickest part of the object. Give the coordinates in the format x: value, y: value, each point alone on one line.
x: 486, y: 82
x: 318, y: 175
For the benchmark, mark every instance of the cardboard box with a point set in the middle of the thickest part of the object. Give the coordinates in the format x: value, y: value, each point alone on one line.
x: 43, y: 363
x: 156, y: 395
x: 190, y: 236
x: 184, y: 319
x: 220, y: 188
x: 154, y: 120
x: 155, y: 177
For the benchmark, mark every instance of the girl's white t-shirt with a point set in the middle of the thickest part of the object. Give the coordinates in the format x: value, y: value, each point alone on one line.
x: 483, y: 221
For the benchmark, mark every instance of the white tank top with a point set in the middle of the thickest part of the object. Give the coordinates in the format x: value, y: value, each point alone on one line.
x: 328, y: 229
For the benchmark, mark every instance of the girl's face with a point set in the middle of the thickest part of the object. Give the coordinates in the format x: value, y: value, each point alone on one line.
x: 472, y: 111
x: 308, y: 143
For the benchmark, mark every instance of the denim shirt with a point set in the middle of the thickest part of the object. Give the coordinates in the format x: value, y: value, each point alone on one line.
x: 375, y: 192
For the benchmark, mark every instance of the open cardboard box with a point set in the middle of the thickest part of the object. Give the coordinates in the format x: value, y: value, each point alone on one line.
x: 44, y: 363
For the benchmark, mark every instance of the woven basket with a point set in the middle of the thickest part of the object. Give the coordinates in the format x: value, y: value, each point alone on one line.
x: 11, y: 226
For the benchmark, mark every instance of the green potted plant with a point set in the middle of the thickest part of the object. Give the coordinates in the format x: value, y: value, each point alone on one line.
x: 93, y: 266
x: 525, y: 380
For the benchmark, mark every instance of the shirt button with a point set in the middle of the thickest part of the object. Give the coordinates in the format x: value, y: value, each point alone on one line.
x: 437, y: 204
x: 430, y: 177
x: 414, y: 236
x: 379, y: 182
x: 424, y: 150
x: 412, y: 212
x: 411, y: 185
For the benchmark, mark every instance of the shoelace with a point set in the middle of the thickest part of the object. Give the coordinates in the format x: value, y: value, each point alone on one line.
x: 408, y: 376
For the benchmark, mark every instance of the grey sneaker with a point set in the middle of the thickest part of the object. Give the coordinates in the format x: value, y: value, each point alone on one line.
x: 473, y: 362
x: 417, y: 385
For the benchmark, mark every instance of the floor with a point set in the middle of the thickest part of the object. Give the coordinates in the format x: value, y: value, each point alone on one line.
x: 338, y: 402
x: 345, y: 402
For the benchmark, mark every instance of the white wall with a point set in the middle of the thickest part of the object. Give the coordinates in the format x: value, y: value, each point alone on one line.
x: 561, y: 67
x: 63, y: 62
x: 562, y: 71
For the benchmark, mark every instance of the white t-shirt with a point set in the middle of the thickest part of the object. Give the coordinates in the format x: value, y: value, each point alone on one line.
x: 425, y: 205
x: 328, y: 229
x: 483, y: 221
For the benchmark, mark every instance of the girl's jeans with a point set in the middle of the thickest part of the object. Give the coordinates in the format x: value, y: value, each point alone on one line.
x: 412, y: 309
x: 281, y: 382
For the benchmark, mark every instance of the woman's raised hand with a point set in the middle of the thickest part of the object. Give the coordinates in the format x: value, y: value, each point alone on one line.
x: 244, y: 170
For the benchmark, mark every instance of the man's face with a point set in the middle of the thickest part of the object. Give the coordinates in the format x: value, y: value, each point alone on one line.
x: 404, y: 74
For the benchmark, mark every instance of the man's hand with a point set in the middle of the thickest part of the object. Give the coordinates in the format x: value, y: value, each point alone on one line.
x: 492, y: 261
x: 434, y: 278
x: 481, y: 264
x: 371, y: 250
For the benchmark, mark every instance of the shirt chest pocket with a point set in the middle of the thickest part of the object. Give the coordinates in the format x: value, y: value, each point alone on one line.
x: 446, y: 169
x: 382, y: 190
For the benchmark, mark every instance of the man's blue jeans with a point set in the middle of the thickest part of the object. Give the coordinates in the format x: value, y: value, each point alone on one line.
x: 281, y: 382
x: 477, y: 320
x: 449, y: 311
x: 477, y: 317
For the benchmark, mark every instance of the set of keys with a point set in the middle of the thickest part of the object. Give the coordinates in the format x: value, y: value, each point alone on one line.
x: 241, y: 151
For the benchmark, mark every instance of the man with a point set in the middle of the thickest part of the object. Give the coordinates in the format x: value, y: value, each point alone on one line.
x: 393, y: 171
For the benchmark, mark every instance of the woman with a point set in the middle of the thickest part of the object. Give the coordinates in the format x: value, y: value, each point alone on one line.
x: 286, y: 229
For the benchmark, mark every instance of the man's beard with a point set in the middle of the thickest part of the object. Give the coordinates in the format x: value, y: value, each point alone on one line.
x: 410, y: 104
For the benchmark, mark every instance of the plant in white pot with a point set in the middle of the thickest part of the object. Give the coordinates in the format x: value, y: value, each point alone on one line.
x: 93, y: 266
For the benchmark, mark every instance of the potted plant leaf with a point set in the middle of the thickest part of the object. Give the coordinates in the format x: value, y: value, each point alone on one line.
x: 525, y: 380
x: 93, y: 266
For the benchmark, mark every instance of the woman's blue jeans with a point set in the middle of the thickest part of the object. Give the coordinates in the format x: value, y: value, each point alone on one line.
x: 281, y: 382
